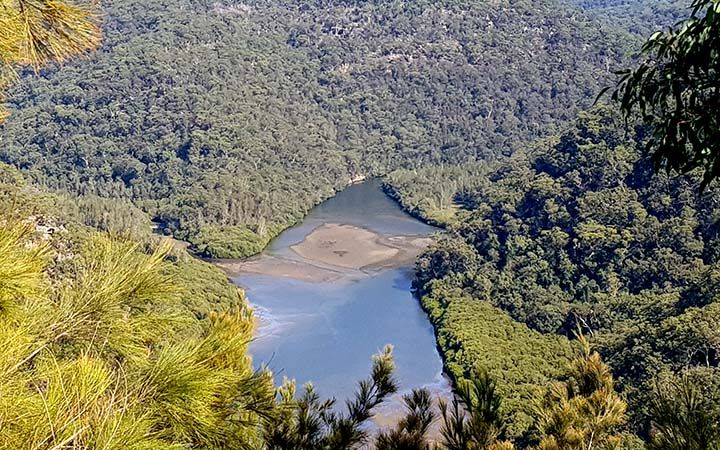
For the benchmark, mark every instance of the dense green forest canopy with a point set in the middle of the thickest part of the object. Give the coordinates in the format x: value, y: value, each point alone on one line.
x: 640, y: 17
x: 35, y: 32
x: 578, y: 232
x: 227, y: 121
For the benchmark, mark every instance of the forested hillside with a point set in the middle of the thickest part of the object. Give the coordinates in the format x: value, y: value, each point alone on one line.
x: 578, y: 233
x: 227, y: 122
x: 641, y: 17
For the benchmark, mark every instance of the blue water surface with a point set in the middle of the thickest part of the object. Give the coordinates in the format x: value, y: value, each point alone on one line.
x: 327, y: 332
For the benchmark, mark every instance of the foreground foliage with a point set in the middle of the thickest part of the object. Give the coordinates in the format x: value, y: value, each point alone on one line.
x: 104, y: 357
x: 685, y: 412
x: 308, y: 423
x: 676, y: 88
x: 117, y: 344
x: 33, y: 32
x: 581, y: 412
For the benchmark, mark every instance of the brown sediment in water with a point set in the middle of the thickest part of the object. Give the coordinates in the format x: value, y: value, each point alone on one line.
x: 279, y: 267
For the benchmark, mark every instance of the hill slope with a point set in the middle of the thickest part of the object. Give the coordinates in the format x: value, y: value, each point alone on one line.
x: 578, y: 233
x: 640, y: 17
x: 227, y: 122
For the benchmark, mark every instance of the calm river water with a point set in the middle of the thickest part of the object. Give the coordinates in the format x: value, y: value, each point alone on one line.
x: 326, y: 332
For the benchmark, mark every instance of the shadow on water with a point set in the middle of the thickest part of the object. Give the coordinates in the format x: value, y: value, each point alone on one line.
x: 404, y: 279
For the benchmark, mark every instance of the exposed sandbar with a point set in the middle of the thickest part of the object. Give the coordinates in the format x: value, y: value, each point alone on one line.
x: 332, y: 251
x: 356, y: 248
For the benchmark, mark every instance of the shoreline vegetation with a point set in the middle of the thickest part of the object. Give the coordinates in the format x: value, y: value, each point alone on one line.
x: 238, y: 241
x: 434, y: 194
x: 432, y: 216
x: 470, y: 334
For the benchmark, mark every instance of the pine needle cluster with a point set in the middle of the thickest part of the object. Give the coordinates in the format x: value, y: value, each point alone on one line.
x: 100, y: 355
x: 35, y: 32
x: 584, y: 411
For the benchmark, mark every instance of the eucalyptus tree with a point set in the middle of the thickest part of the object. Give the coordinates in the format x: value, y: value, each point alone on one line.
x: 676, y: 88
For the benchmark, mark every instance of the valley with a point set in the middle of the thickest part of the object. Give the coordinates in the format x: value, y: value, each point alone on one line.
x: 359, y: 224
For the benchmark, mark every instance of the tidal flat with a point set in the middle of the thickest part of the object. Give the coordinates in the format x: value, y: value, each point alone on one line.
x: 331, y: 251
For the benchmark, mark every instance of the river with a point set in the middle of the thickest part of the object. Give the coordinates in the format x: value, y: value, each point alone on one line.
x: 332, y: 291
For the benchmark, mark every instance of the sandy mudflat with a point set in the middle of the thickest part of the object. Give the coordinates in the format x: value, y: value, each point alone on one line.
x: 279, y: 267
x: 344, y: 246
x: 356, y: 248
x: 332, y: 251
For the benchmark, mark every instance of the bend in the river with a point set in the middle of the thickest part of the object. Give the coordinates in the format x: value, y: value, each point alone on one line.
x: 332, y: 291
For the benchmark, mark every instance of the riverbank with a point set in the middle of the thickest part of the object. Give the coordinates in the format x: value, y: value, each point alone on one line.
x: 244, y: 241
x: 473, y: 334
x: 331, y: 251
x: 216, y: 242
x: 227, y: 242
x: 277, y: 267
x: 357, y: 248
x: 431, y: 216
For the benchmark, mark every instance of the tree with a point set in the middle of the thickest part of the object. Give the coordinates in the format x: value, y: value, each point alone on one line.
x: 584, y: 411
x: 482, y: 401
x: 35, y: 32
x: 685, y: 414
x: 472, y: 421
x: 480, y: 428
x: 99, y: 353
x: 308, y: 423
x: 411, y: 431
x: 677, y: 91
